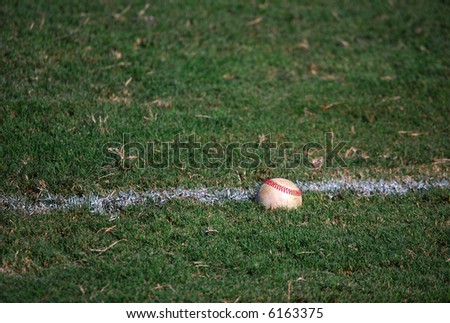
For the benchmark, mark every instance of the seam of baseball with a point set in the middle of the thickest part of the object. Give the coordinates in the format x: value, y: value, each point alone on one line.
x: 283, y: 189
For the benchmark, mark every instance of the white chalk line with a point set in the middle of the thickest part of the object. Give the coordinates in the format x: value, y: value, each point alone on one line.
x: 113, y: 203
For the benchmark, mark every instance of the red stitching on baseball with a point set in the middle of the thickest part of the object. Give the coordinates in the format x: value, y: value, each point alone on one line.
x: 282, y: 188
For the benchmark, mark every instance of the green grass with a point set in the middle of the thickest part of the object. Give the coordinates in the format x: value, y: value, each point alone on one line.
x: 76, y: 77
x: 350, y: 250
x: 391, y: 77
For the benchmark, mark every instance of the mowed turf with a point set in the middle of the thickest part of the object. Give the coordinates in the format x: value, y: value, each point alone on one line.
x: 378, y: 249
x: 76, y: 77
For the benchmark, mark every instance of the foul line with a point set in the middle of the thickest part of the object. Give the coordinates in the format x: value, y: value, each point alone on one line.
x: 112, y: 204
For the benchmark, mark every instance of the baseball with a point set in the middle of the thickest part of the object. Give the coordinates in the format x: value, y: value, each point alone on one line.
x: 279, y: 193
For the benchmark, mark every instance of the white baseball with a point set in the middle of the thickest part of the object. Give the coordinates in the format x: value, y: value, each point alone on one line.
x: 279, y: 193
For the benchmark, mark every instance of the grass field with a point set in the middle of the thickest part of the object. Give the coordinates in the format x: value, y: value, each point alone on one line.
x: 78, y: 78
